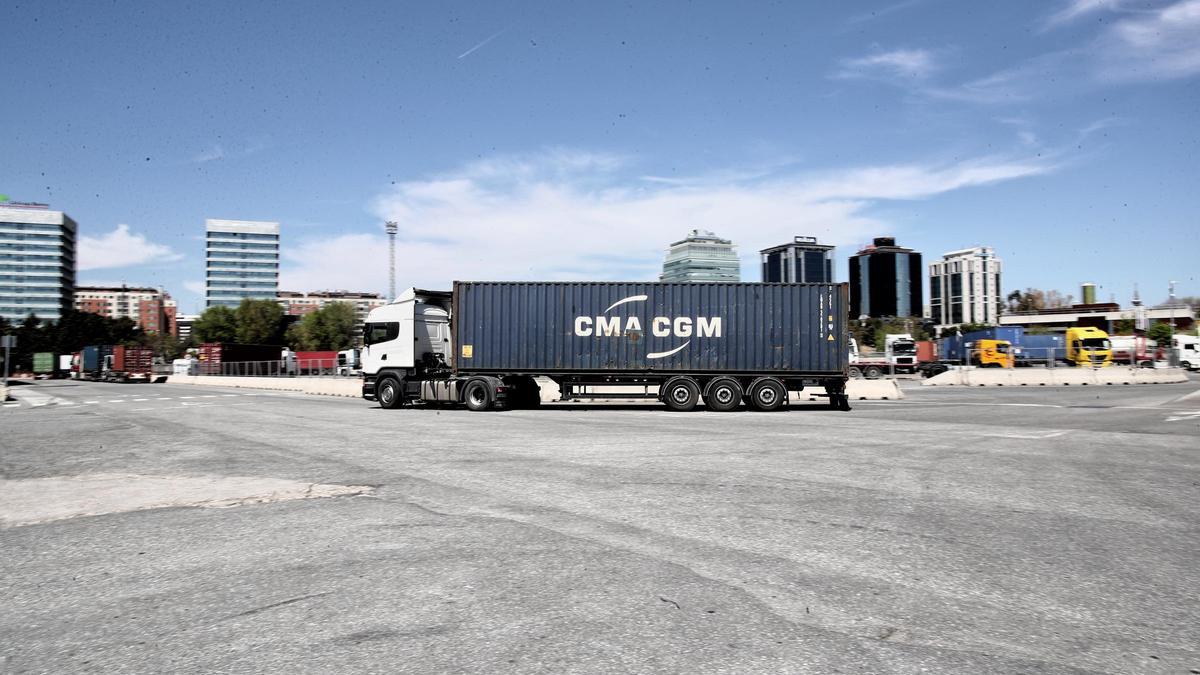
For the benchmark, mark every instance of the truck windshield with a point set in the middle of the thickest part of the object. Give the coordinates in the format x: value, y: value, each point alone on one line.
x: 904, y: 348
x: 1095, y: 343
x: 1002, y: 347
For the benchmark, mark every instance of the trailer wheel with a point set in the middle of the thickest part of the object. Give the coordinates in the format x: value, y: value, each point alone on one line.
x: 723, y: 395
x: 681, y: 394
x: 767, y: 394
x: 478, y: 396
x: 873, y: 372
x: 855, y: 372
x: 388, y: 393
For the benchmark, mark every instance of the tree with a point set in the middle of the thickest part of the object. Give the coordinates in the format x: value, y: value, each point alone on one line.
x: 1035, y: 300
x: 260, y: 322
x: 1160, y: 333
x: 216, y: 324
x: 1123, y: 326
x: 330, y: 328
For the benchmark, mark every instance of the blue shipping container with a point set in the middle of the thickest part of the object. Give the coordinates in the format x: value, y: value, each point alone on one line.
x: 590, y: 327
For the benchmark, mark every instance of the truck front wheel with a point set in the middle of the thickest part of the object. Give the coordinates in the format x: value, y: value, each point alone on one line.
x: 681, y: 394
x: 855, y: 372
x: 478, y: 396
x: 388, y: 393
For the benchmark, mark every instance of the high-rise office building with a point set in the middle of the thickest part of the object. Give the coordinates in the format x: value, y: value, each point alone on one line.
x: 702, y: 256
x: 37, y: 261
x: 885, y: 280
x: 150, y: 309
x: 964, y: 287
x: 803, y: 260
x: 241, y: 261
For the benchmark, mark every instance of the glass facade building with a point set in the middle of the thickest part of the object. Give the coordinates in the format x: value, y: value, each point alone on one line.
x: 964, y: 287
x: 241, y: 261
x: 37, y: 262
x: 803, y: 260
x: 702, y: 256
x: 885, y: 281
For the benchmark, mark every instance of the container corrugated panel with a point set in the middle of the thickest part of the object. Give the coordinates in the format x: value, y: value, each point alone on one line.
x: 43, y: 362
x: 591, y: 327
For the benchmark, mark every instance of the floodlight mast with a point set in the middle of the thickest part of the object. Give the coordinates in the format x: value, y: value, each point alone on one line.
x: 392, y: 228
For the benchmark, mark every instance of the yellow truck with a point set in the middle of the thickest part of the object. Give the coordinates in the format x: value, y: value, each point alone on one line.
x: 1088, y: 347
x: 992, y: 353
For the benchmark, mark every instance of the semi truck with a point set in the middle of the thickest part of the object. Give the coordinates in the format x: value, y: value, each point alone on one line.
x: 116, y: 363
x: 1088, y: 347
x: 230, y: 358
x: 1187, y: 351
x: 482, y: 344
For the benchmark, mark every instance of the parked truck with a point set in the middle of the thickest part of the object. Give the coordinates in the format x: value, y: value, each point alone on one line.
x: 483, y: 343
x: 1088, y: 347
x: 1187, y: 351
x: 45, y: 365
x: 229, y: 358
x: 116, y: 363
x: 1135, y: 350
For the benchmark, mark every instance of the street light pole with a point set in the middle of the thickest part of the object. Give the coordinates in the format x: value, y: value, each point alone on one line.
x: 392, y: 228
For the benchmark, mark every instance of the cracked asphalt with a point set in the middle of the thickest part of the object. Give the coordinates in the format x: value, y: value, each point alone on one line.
x: 982, y: 530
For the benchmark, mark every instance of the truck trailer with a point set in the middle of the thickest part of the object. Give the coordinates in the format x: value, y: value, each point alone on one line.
x: 483, y: 343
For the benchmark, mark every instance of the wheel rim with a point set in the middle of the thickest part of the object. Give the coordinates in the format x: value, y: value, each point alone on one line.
x: 475, y: 396
x: 767, y: 395
x: 724, y: 394
x: 387, y: 394
x: 681, y: 393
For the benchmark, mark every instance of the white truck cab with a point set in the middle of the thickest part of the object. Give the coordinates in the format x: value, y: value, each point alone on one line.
x: 1187, y: 349
x: 415, y: 329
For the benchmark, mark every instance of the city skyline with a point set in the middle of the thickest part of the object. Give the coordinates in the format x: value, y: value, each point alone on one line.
x: 1047, y: 131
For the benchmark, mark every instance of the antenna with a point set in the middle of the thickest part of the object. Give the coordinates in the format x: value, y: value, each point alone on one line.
x: 392, y: 228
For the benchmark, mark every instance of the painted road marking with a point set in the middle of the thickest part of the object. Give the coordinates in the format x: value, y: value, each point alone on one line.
x: 139, y: 400
x: 1187, y: 416
x: 209, y: 396
x: 187, y: 397
x: 12, y: 405
x: 231, y: 394
x: 117, y: 400
x: 90, y: 402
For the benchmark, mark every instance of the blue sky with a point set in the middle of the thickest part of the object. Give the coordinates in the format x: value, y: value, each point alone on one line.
x: 520, y: 140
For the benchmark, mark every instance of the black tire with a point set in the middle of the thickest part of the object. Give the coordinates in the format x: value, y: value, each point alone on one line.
x: 724, y: 394
x: 767, y: 394
x: 855, y: 372
x: 681, y: 394
x: 1186, y: 365
x: 478, y: 395
x: 873, y: 372
x: 389, y: 393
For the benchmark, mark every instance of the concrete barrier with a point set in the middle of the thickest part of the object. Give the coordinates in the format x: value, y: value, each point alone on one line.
x: 3, y: 392
x: 1055, y: 377
x: 350, y: 387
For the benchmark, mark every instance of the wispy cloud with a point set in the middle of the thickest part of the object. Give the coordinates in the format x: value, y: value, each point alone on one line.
x: 910, y: 63
x: 1074, y: 9
x: 1159, y: 44
x: 486, y: 40
x: 581, y: 218
x: 121, y: 248
x: 214, y: 153
x: 883, y: 11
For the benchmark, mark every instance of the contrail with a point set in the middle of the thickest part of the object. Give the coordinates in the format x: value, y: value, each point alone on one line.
x: 472, y: 49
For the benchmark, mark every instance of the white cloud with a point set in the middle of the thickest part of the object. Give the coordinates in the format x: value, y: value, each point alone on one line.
x: 121, y: 248
x: 214, y: 153
x: 1160, y: 44
x: 196, y: 287
x: 545, y: 220
x: 913, y: 63
x: 1073, y: 9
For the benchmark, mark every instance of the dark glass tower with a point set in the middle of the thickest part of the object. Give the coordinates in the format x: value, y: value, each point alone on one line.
x: 885, y: 280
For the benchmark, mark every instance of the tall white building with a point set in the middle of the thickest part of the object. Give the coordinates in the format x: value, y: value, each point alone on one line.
x: 37, y: 261
x: 241, y: 261
x: 964, y: 287
x: 702, y: 256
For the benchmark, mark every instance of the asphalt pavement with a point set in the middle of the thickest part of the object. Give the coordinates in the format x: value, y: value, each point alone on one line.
x: 171, y: 528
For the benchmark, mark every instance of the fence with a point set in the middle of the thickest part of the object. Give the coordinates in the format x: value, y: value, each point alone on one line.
x: 279, y: 368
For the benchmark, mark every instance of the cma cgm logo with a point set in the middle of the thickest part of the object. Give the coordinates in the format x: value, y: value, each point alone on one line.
x: 660, y: 326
